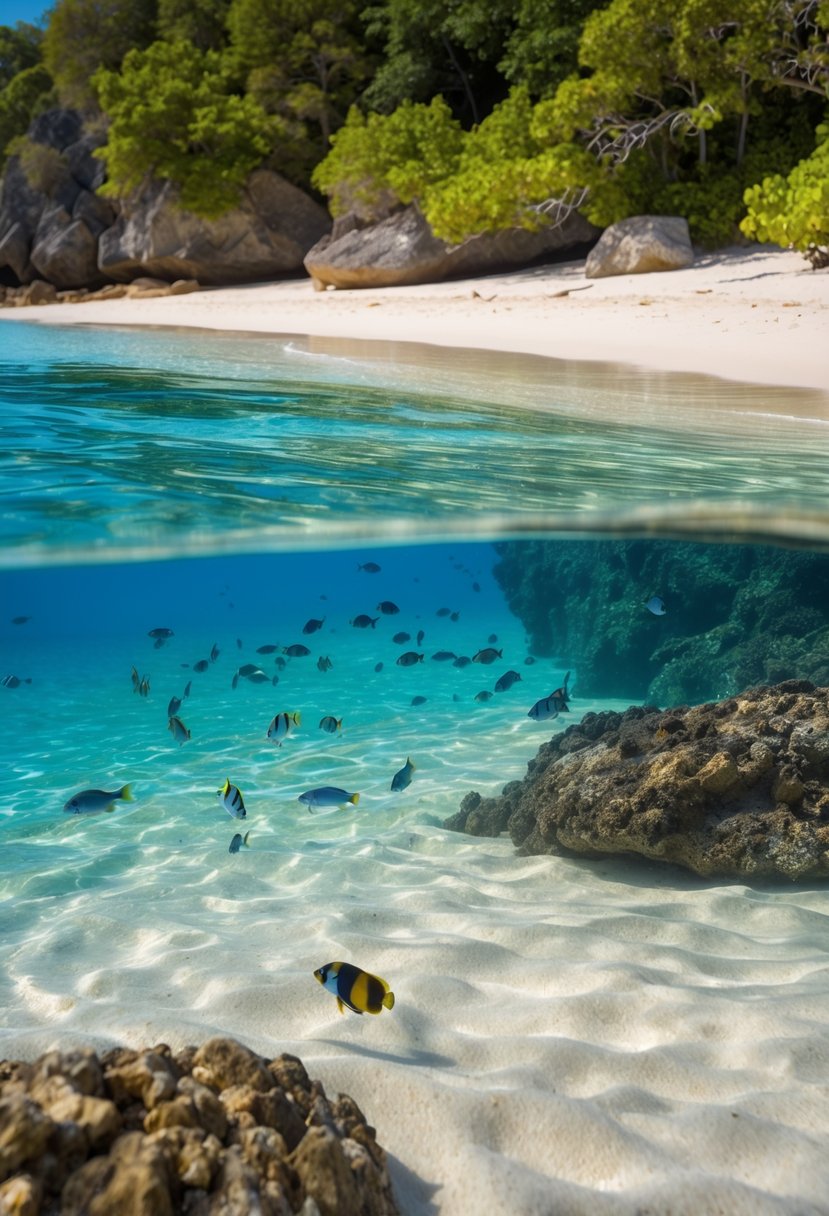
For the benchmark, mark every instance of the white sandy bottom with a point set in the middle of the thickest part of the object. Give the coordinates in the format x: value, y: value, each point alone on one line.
x: 567, y: 1037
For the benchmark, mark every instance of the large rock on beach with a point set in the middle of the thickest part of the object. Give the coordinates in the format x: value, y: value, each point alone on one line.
x: 640, y: 244
x: 209, y: 1130
x: 401, y: 249
x: 266, y: 236
x: 736, y: 788
x: 736, y: 615
x: 50, y: 216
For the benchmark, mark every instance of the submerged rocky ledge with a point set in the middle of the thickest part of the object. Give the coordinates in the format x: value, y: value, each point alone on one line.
x: 207, y: 1131
x: 736, y: 788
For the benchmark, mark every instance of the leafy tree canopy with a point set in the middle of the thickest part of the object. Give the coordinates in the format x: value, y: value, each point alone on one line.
x: 173, y: 115
x: 26, y: 95
x: 20, y: 48
x: 201, y: 22
x: 85, y: 35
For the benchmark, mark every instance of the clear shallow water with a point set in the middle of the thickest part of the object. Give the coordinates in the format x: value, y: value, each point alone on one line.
x: 622, y: 1008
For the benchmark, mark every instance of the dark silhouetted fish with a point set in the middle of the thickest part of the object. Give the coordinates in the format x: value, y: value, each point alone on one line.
x: 201, y: 666
x: 363, y: 621
x: 370, y: 567
x: 463, y: 660
x: 506, y: 681
x: 14, y: 681
x: 486, y: 695
x: 324, y: 663
x: 418, y: 700
x: 330, y: 724
x: 409, y: 659
x: 296, y: 651
x: 487, y: 655
x: 387, y: 608
x: 268, y: 648
x: 401, y: 637
x: 312, y: 625
x: 443, y: 656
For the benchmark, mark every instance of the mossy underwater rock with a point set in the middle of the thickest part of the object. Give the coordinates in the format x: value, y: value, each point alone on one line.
x: 737, y: 615
x: 737, y: 788
x: 211, y: 1130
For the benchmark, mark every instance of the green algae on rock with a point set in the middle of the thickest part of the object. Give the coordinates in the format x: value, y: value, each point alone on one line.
x: 737, y: 788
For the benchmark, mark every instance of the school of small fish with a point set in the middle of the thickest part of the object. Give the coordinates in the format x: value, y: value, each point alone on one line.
x: 354, y: 988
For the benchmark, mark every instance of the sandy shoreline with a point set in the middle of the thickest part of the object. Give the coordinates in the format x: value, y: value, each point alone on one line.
x: 755, y: 314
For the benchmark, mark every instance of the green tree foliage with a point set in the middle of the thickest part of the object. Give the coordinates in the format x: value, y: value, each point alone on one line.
x: 303, y: 61
x: 25, y: 85
x: 470, y: 51
x: 200, y: 22
x: 381, y: 158
x: 20, y: 48
x: 84, y: 35
x: 793, y: 211
x: 26, y: 95
x: 173, y: 115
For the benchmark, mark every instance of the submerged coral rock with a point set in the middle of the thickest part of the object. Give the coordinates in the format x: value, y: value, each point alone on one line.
x: 736, y: 788
x: 214, y: 1129
x: 737, y: 615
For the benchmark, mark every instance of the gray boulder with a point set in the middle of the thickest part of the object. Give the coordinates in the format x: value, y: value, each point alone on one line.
x: 49, y: 218
x: 640, y: 244
x: 266, y: 236
x: 402, y: 249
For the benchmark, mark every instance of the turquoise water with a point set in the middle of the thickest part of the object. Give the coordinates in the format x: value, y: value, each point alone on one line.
x: 230, y: 489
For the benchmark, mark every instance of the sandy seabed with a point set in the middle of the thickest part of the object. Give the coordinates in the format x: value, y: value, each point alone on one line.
x: 599, y: 1039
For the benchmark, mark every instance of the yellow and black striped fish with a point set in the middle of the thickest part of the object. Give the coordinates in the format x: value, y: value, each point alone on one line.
x: 354, y: 988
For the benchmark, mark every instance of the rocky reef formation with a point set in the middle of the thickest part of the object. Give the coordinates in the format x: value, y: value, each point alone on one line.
x: 737, y: 788
x: 736, y: 615
x: 55, y: 227
x: 400, y: 249
x: 210, y: 1131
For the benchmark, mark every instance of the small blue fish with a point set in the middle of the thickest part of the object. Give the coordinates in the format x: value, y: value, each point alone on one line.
x: 327, y: 795
x: 237, y: 842
x: 402, y: 779
x: 90, y: 802
x: 656, y: 606
x: 231, y: 799
x: 178, y: 730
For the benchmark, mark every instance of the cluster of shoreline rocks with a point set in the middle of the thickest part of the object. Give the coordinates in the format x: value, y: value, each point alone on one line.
x: 210, y: 1131
x: 142, y: 288
x: 737, y: 788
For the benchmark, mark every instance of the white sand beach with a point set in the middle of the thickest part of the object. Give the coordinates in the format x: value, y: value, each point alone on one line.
x: 755, y: 314
x: 569, y: 1038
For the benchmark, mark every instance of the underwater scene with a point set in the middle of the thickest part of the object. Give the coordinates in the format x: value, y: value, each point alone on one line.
x: 272, y: 609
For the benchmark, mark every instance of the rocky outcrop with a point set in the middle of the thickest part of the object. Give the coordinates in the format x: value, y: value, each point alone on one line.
x: 55, y: 227
x: 736, y: 615
x: 736, y: 788
x: 640, y: 244
x: 50, y: 216
x: 214, y: 1129
x: 401, y: 249
x: 266, y: 236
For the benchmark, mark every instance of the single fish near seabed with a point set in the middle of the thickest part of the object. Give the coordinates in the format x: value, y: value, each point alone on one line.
x: 355, y: 989
x: 327, y: 795
x: 487, y: 655
x: 370, y: 567
x: 173, y: 707
x: 12, y: 681
x: 91, y: 802
x: 214, y: 652
x: 296, y: 651
x: 178, y: 730
x: 409, y: 659
x: 402, y: 779
x: 656, y: 605
x: 238, y: 842
x: 324, y: 663
x: 281, y: 725
x: 387, y: 608
x: 312, y: 625
x: 364, y: 621
x: 161, y: 633
x: 550, y: 707
x: 506, y: 681
x: 330, y: 724
x: 231, y: 799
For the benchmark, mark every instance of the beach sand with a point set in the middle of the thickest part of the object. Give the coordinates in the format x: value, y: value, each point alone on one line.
x: 755, y: 314
x: 569, y: 1038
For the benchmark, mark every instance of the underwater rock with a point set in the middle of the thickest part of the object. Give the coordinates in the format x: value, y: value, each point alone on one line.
x: 736, y: 788
x: 213, y: 1129
x: 737, y: 615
